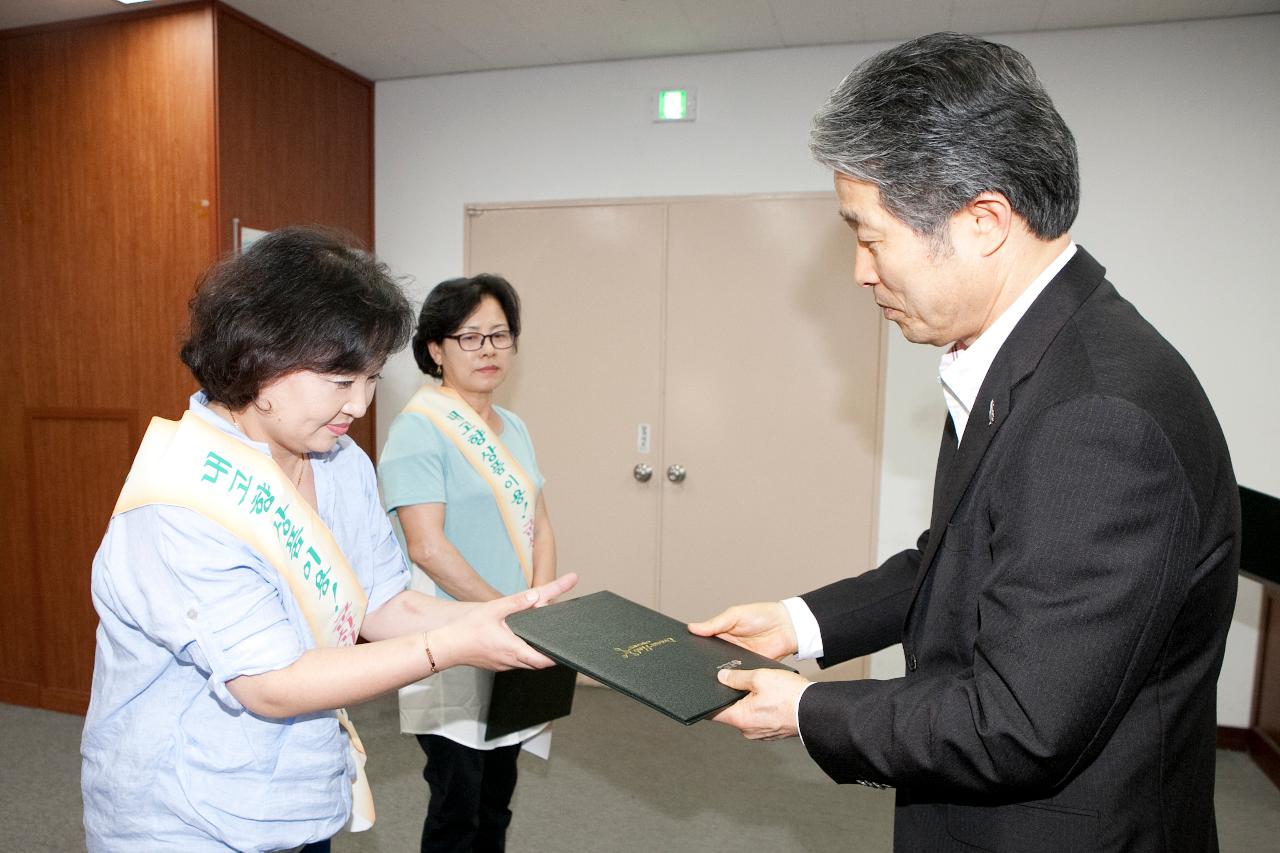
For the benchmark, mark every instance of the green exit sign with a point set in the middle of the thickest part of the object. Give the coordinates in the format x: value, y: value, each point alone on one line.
x: 675, y: 105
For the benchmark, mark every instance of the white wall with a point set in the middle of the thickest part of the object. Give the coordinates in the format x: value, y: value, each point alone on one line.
x: 1177, y: 124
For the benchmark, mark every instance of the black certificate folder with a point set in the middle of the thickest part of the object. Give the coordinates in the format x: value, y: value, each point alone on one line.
x: 640, y: 652
x: 529, y: 697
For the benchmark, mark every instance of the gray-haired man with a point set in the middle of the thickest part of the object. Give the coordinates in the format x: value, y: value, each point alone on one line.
x: 1065, y: 615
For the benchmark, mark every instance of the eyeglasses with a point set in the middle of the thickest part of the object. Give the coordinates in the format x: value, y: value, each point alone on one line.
x: 472, y: 341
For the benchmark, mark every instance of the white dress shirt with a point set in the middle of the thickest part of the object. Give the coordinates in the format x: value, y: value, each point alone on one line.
x: 962, y: 371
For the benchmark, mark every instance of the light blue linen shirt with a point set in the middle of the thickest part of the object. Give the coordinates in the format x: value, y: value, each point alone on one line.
x: 171, y: 761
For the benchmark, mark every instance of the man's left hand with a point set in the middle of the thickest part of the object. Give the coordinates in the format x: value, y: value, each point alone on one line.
x: 769, y: 712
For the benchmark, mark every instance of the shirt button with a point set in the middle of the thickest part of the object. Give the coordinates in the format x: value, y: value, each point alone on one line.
x: 191, y: 614
x: 911, y: 661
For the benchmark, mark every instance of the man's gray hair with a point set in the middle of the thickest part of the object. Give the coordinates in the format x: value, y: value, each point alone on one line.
x: 938, y: 120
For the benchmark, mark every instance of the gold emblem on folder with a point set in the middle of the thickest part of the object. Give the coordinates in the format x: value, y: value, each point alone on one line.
x: 636, y: 649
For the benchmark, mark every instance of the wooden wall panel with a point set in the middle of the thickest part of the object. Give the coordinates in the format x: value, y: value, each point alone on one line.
x: 1266, y: 693
x: 19, y: 645
x: 81, y: 457
x: 109, y: 148
x: 295, y: 142
x: 106, y: 130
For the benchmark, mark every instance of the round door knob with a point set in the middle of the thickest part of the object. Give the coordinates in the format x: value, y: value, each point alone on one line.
x: 642, y: 472
x: 676, y: 473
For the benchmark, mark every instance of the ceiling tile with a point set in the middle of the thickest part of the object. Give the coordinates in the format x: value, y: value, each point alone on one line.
x: 384, y: 39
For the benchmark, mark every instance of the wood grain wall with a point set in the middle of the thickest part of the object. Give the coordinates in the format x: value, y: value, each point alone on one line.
x: 295, y: 142
x: 127, y: 144
x: 105, y: 221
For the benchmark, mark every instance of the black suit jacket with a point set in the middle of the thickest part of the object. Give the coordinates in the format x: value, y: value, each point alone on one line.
x: 1065, y: 615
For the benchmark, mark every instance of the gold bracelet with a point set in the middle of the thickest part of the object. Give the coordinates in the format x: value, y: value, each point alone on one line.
x: 426, y: 644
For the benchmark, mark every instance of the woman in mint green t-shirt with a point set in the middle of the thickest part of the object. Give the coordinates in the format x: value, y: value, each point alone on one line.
x: 443, y: 481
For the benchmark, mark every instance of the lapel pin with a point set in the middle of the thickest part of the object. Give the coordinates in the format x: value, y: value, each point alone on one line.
x: 991, y: 413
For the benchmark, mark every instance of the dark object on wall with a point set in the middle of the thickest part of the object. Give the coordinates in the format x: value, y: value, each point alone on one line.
x: 1260, y: 536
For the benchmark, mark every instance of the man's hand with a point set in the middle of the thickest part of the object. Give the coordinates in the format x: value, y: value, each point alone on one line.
x: 763, y: 628
x: 769, y: 712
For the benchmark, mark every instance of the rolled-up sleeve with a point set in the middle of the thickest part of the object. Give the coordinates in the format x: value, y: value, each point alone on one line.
x: 226, y: 613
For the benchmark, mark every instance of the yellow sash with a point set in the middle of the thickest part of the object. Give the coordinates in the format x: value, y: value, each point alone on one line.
x: 515, y: 492
x: 191, y: 464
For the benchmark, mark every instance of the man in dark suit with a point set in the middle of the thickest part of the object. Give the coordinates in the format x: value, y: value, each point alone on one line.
x: 1065, y: 615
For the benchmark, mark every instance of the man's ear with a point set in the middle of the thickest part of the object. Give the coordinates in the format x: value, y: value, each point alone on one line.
x: 988, y: 219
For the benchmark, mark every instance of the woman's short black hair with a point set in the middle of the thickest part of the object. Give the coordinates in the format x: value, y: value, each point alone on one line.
x: 298, y: 299
x: 450, y: 303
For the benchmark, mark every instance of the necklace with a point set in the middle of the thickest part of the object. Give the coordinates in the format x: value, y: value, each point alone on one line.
x: 302, y: 467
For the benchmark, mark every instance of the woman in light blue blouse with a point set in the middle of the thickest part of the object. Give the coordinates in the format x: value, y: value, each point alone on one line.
x: 247, y: 552
x: 459, y: 475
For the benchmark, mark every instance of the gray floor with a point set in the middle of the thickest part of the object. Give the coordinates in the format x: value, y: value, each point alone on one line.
x: 621, y: 778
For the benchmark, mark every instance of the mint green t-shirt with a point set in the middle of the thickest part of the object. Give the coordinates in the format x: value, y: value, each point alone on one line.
x: 420, y: 465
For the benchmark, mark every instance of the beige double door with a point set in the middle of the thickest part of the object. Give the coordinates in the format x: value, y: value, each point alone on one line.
x: 719, y: 344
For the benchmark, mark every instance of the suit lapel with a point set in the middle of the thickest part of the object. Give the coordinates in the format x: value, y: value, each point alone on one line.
x: 946, y: 455
x: 950, y: 484
x: 1013, y: 364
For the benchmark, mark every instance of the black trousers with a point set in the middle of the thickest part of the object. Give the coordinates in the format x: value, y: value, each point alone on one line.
x: 471, y: 789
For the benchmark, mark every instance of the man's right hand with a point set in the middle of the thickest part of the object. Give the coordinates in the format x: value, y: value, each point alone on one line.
x: 764, y: 628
